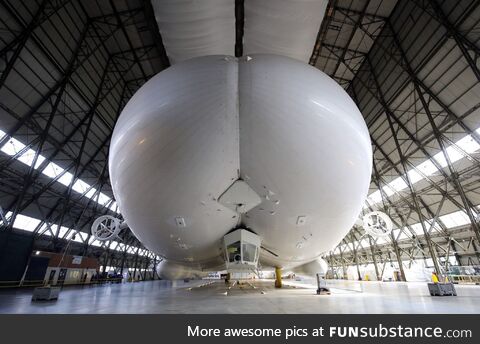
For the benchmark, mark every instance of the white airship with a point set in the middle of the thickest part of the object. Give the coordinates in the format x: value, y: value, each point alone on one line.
x: 222, y: 163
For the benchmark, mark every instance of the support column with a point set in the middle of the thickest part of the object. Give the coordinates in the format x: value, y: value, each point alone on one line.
x: 105, y: 260
x: 475, y: 249
x: 355, y: 256
x: 122, y: 266
x: 331, y: 265
x: 455, y: 252
x: 135, y: 266
x: 154, y: 267
x: 344, y: 270
x: 399, y: 257
x: 372, y: 249
x: 146, y: 269
x: 278, y: 277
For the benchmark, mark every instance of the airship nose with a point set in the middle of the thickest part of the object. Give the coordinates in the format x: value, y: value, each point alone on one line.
x: 264, y: 140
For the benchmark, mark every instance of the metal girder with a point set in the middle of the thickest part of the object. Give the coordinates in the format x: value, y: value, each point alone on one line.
x: 406, y: 176
x: 425, y: 231
x: 48, y: 11
x: 97, y: 32
x: 44, y: 134
x: 26, y: 119
x: 127, y: 37
x: 362, y: 13
x: 77, y: 89
x: 322, y: 32
x: 358, y: 21
x: 374, y: 259
x: 99, y: 149
x: 355, y: 255
x: 400, y: 216
x: 52, y: 156
x: 90, y: 115
x: 399, y: 258
x: 415, y: 79
x: 438, y: 135
x: 463, y: 43
x: 22, y: 39
x: 127, y: 13
x: 413, y: 139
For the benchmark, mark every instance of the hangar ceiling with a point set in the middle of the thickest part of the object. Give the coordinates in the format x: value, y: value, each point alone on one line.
x: 67, y: 68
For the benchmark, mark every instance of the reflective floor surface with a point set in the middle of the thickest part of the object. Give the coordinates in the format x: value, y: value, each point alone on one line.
x: 245, y: 297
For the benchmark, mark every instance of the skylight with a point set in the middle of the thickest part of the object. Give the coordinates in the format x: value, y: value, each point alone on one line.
x: 456, y: 219
x: 427, y: 168
x: 12, y: 147
x: 28, y: 223
x: 25, y: 223
x: 451, y: 220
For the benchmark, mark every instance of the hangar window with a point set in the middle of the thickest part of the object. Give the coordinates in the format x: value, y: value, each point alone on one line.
x: 26, y: 223
x: 12, y: 147
x: 456, y: 219
x: 466, y: 144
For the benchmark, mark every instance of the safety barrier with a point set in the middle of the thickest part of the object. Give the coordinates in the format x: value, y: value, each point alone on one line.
x: 41, y: 283
x: 465, y: 279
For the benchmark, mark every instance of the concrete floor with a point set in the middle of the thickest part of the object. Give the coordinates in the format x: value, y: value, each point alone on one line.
x: 296, y: 297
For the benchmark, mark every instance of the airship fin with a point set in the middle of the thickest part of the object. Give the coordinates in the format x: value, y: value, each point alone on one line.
x: 240, y: 197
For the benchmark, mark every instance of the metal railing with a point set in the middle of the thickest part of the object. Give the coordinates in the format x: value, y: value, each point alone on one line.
x: 465, y: 279
x: 42, y: 283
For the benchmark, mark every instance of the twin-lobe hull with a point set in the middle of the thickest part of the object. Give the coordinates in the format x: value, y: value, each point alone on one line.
x: 285, y: 128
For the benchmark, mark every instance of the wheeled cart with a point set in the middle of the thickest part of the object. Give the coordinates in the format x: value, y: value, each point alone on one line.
x: 442, y: 289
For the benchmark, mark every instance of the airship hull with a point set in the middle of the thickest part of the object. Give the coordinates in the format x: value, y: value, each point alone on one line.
x: 282, y: 127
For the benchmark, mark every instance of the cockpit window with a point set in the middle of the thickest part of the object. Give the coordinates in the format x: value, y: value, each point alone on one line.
x: 234, y: 254
x: 249, y: 252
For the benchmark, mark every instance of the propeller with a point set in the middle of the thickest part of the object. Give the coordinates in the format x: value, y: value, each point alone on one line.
x: 106, y: 228
x: 377, y: 224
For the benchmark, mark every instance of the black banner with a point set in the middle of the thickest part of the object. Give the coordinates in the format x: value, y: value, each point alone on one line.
x: 241, y: 328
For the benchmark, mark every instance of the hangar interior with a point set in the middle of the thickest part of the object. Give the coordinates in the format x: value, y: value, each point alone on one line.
x: 68, y: 68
